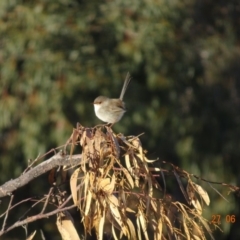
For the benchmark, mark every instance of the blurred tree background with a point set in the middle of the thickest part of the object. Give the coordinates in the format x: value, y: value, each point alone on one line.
x: 56, y: 57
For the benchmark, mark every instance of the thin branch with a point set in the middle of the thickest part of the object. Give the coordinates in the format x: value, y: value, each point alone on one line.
x: 25, y: 200
x: 34, y: 218
x: 6, y: 216
x: 36, y: 203
x: 218, y: 192
x: 32, y: 163
x: 233, y: 188
x: 39, y: 216
x: 47, y: 200
x: 57, y: 160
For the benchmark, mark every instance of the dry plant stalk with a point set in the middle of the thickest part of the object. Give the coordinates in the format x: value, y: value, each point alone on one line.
x: 118, y: 194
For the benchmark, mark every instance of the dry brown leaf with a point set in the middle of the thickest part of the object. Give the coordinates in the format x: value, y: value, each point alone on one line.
x: 84, y: 159
x: 131, y: 229
x: 139, y: 228
x: 154, y: 206
x: 103, y: 183
x: 128, y: 176
x: 99, y: 140
x: 112, y: 185
x: 65, y: 226
x: 115, y: 144
x: 160, y: 226
x: 203, y: 194
x: 102, y: 147
x: 187, y: 234
x: 190, y: 191
x: 90, y: 144
x: 197, y: 230
x: 114, y: 233
x: 195, y: 237
x: 143, y: 223
x: 107, y: 185
x: 136, y: 172
x: 73, y: 186
x: 140, y: 157
x: 127, y: 162
x: 88, y: 223
x: 150, y: 193
x: 89, y: 151
x: 110, y: 164
x: 83, y: 138
x: 31, y: 236
x: 197, y: 206
x: 181, y: 208
x: 122, y: 194
x: 97, y: 215
x: 130, y: 210
x: 168, y: 222
x: 205, y: 224
x: 87, y: 185
x: 114, y: 205
x: 74, y: 137
x: 128, y: 142
x: 137, y: 144
x: 150, y: 161
x: 88, y: 202
x: 101, y: 226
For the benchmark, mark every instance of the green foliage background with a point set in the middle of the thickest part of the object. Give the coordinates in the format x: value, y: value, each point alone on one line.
x: 184, y: 56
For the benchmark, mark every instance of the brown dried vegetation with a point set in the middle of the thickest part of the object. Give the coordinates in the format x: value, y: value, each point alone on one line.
x: 117, y: 190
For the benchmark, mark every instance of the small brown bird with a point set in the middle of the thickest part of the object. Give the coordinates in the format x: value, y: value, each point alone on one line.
x: 111, y: 110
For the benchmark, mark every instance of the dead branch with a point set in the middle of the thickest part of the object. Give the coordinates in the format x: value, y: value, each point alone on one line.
x: 38, y: 216
x: 57, y: 160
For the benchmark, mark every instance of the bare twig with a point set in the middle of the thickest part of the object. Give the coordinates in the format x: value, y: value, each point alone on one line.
x: 57, y: 160
x: 47, y: 200
x: 6, y: 216
x: 34, y: 218
x: 36, y: 203
x: 25, y: 200
x: 38, y: 216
